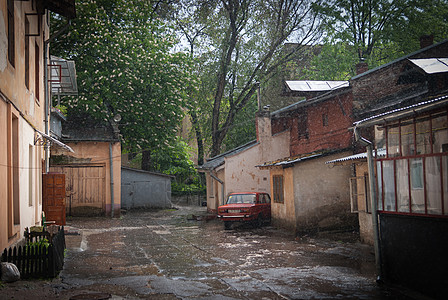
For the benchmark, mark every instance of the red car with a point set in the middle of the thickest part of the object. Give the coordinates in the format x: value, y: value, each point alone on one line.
x: 254, y: 207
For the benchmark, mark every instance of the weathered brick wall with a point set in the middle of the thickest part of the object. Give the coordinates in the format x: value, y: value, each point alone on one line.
x: 334, y: 135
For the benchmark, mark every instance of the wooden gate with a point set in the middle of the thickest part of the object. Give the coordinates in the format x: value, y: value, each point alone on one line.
x: 54, y: 197
x: 85, y: 188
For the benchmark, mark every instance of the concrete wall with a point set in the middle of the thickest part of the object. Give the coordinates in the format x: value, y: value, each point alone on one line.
x: 322, y: 195
x: 243, y: 176
x: 141, y: 189
x: 27, y: 105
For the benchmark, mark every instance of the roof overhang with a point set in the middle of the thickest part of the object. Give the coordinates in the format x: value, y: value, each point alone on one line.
x: 357, y: 157
x: 46, y: 139
x: 64, y: 8
x: 289, y: 161
x: 404, y: 112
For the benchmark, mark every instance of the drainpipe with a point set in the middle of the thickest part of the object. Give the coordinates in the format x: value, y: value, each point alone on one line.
x: 47, y: 92
x: 112, y: 204
x: 371, y: 168
x: 221, y: 182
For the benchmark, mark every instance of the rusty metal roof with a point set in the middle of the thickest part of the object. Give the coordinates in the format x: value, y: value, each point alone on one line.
x: 431, y: 65
x: 292, y: 160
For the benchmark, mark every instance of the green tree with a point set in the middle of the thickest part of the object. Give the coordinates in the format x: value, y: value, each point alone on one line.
x: 126, y: 65
x: 377, y: 31
x: 245, y: 41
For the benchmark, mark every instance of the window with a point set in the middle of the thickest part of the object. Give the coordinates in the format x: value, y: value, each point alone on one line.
x: 11, y: 31
x: 277, y: 181
x: 359, y: 194
x: 37, y: 71
x: 417, y: 173
x: 412, y: 179
x: 325, y: 120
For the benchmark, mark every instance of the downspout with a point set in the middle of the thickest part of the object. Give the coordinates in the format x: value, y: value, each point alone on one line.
x: 221, y: 182
x: 372, y: 187
x: 47, y: 93
x: 112, y: 202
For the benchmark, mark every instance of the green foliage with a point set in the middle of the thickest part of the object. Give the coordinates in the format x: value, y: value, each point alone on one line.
x: 176, y: 162
x: 39, y: 243
x: 336, y: 61
x: 378, y: 31
x: 125, y: 65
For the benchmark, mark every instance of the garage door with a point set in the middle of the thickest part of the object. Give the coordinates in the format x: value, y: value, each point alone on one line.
x: 85, y: 188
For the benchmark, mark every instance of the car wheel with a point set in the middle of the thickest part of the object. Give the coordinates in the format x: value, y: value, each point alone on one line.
x: 258, y: 222
x: 227, y: 225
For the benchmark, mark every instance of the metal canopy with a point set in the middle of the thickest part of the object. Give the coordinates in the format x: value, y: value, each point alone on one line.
x: 63, y: 77
x: 432, y: 65
x: 46, y: 139
x: 315, y: 86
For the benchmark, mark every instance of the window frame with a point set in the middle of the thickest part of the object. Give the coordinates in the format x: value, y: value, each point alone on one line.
x: 278, y: 189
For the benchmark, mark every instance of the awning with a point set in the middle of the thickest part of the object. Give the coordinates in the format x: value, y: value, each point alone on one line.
x: 52, y: 141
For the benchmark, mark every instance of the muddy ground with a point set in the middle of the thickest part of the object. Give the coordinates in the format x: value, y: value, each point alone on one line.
x: 179, y: 254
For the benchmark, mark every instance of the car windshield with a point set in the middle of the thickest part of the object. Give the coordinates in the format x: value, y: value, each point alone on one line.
x: 241, y: 198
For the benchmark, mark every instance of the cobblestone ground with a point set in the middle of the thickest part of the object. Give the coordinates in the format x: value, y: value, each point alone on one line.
x: 179, y: 254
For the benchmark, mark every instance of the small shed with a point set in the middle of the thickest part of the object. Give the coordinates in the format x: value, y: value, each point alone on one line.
x: 144, y: 189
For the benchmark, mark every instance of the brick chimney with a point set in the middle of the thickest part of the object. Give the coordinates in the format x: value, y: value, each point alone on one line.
x: 263, y: 124
x: 361, y: 67
x: 426, y: 40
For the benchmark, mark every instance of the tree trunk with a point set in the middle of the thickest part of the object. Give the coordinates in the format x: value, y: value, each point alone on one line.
x: 198, y: 132
x: 146, y: 160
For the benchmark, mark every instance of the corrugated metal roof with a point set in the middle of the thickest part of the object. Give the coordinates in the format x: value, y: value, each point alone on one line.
x: 379, y: 153
x: 432, y: 65
x: 315, y: 86
x: 412, y: 108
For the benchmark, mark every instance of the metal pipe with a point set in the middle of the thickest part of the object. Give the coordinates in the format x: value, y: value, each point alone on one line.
x: 374, y: 206
x: 112, y: 200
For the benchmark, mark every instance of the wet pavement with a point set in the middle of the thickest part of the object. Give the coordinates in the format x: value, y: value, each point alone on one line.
x: 179, y: 254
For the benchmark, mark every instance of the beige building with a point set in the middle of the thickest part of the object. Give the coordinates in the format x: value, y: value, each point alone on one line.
x: 236, y: 171
x: 23, y: 32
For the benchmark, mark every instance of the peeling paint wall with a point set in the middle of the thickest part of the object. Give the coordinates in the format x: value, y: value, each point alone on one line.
x: 21, y: 111
x: 322, y: 195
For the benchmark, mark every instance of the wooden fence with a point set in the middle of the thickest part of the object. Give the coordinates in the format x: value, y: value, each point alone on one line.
x: 38, y: 259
